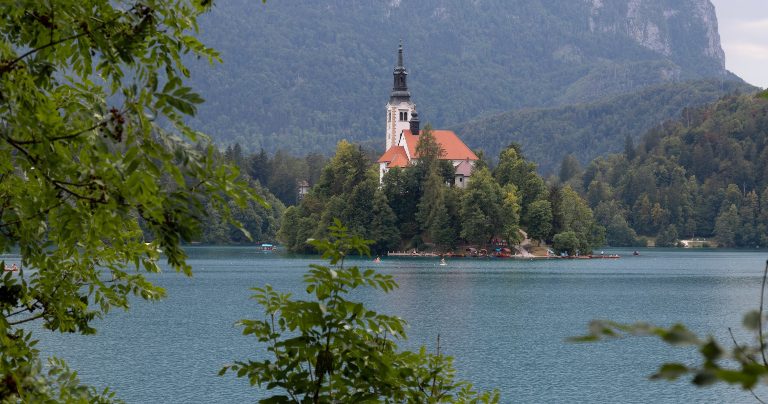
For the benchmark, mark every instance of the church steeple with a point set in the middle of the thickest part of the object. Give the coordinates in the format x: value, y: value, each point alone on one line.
x: 399, y: 108
x: 400, y: 87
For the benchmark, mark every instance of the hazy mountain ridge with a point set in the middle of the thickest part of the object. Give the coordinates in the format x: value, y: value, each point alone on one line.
x: 590, y: 130
x: 304, y: 75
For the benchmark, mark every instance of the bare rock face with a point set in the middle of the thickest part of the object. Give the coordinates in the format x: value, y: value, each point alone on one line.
x: 668, y: 28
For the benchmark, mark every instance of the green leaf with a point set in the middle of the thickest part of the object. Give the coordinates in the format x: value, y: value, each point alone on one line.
x: 711, y: 351
x: 752, y: 320
x: 746, y: 380
x: 704, y: 378
x: 671, y: 371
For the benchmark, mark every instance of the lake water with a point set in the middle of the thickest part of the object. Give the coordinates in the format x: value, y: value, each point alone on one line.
x: 506, y: 323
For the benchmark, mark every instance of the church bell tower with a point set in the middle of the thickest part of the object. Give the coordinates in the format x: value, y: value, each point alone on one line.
x: 399, y: 108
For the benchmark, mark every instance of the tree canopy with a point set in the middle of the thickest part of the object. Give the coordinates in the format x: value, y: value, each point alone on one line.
x: 420, y: 207
x: 98, y: 174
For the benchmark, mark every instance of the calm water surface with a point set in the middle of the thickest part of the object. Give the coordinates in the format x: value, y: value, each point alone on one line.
x: 504, y: 321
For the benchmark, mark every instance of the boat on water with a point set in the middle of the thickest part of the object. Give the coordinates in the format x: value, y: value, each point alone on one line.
x: 267, y: 248
x: 412, y: 253
x: 11, y: 268
x: 442, y: 262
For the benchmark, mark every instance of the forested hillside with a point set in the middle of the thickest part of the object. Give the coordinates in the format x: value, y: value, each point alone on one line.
x: 547, y: 135
x: 704, y: 175
x: 303, y: 75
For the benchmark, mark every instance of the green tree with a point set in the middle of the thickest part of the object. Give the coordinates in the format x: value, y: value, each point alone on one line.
x: 432, y: 203
x: 428, y: 151
x: 668, y: 237
x: 727, y: 226
x: 763, y: 218
x: 384, y: 230
x: 403, y: 191
x: 332, y: 349
x: 611, y: 215
x: 577, y: 217
x: 566, y: 242
x: 598, y: 192
x: 569, y: 167
x: 285, y: 171
x: 443, y: 234
x: 347, y: 168
x: 358, y: 212
x: 215, y: 230
x: 92, y: 144
x: 481, y: 208
x: 258, y: 166
x: 629, y: 148
x: 540, y: 220
x: 288, y: 233
x: 513, y: 168
x: 482, y: 160
x: 510, y: 216
x: 748, y: 234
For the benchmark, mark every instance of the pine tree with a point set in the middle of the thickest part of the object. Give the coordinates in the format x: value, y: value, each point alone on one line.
x: 443, y: 235
x: 511, y: 213
x: 383, y: 228
x: 481, y: 208
x: 431, y: 201
x: 727, y: 225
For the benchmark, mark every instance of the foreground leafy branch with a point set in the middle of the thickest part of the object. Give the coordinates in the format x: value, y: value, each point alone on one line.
x: 333, y: 349
x: 99, y: 175
x: 744, y: 365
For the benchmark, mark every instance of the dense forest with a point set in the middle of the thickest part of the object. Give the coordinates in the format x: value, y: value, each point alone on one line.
x: 703, y: 175
x: 261, y: 222
x: 414, y: 208
x: 306, y: 74
x: 591, y: 130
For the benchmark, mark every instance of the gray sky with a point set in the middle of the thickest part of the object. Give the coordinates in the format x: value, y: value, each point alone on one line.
x: 743, y: 26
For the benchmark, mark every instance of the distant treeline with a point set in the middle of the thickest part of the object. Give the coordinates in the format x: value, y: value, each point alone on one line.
x: 703, y: 175
x: 261, y: 222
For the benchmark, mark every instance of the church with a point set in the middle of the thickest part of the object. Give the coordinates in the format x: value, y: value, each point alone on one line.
x: 403, y: 133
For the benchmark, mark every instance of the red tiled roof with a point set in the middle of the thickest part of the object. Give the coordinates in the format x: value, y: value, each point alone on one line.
x: 395, y: 156
x: 464, y: 168
x: 453, y: 147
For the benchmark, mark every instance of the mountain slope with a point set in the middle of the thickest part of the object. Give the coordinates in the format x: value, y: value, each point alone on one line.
x: 306, y: 74
x: 590, y: 130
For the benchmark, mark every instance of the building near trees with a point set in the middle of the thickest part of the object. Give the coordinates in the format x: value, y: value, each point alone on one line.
x: 403, y: 130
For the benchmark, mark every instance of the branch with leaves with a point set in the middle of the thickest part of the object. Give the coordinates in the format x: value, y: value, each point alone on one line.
x: 332, y: 349
x: 93, y: 195
x: 744, y: 365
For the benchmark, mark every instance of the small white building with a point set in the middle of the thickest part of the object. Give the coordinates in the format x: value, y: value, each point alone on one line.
x: 302, y: 189
x: 463, y: 172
